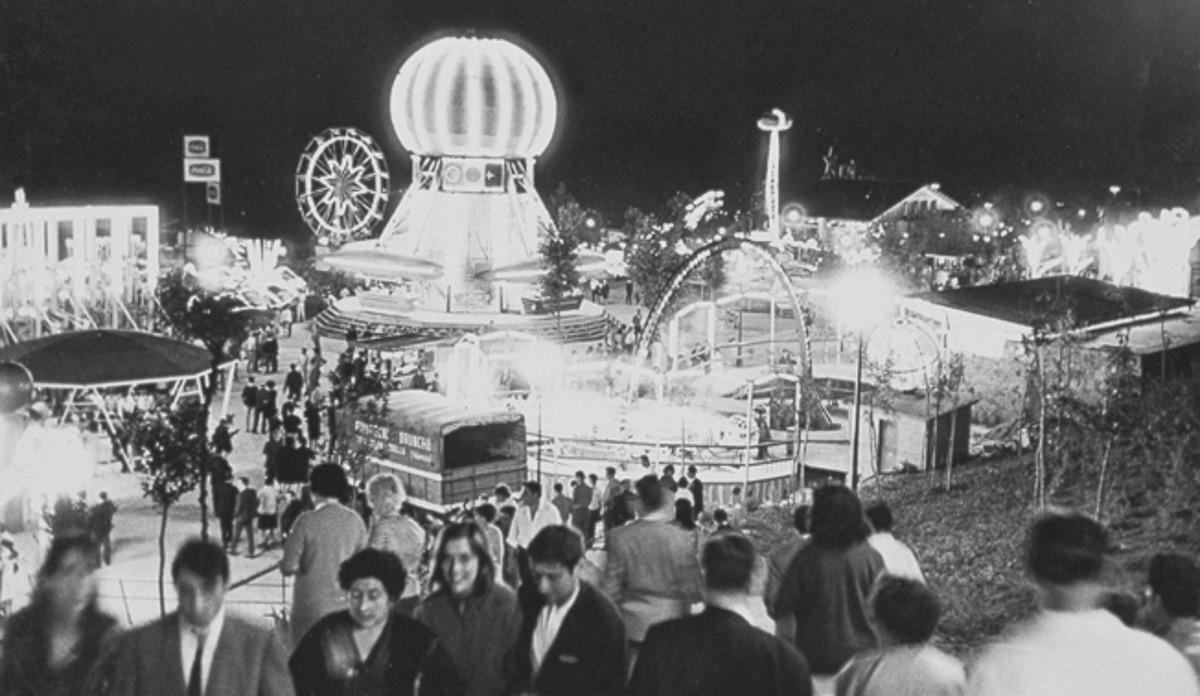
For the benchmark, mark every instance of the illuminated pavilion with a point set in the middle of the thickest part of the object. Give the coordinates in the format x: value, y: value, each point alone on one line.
x: 475, y: 113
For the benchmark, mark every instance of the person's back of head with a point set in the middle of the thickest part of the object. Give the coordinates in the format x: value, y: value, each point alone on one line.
x: 1175, y: 581
x: 558, y: 488
x: 487, y: 511
x: 720, y: 517
x: 906, y: 610
x: 685, y: 516
x: 1066, y: 549
x: 728, y: 561
x: 328, y: 481
x: 880, y: 516
x: 650, y: 493
x: 836, y: 518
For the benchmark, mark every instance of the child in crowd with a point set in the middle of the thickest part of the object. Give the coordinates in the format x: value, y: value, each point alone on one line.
x: 905, y: 613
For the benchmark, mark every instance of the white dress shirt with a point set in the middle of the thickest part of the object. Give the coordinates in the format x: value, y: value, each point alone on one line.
x: 525, y: 527
x: 188, y: 636
x: 897, y: 557
x: 550, y: 620
x: 1089, y: 653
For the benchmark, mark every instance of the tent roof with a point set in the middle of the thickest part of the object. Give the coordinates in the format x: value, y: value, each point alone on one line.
x: 433, y: 415
x: 1029, y: 302
x: 107, y: 358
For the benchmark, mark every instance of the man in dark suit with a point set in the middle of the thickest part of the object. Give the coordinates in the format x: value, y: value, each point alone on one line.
x: 225, y: 496
x: 250, y: 401
x: 719, y: 652
x: 697, y: 489
x: 293, y: 383
x: 199, y: 650
x: 245, y: 510
x: 268, y: 406
x: 573, y: 639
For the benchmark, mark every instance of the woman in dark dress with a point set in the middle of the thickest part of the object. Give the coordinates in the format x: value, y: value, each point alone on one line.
x: 60, y: 644
x: 369, y: 649
x: 826, y: 586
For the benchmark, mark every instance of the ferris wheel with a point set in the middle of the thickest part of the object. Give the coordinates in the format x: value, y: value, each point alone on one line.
x: 342, y: 183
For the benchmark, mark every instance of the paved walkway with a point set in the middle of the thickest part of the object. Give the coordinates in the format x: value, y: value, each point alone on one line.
x: 129, y: 586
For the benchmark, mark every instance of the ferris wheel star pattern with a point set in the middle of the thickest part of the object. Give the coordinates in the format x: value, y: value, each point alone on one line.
x: 342, y: 183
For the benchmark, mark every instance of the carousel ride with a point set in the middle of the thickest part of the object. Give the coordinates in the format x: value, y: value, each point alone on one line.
x: 460, y: 252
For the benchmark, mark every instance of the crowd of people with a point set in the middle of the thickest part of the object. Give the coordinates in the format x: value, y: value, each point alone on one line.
x: 502, y: 600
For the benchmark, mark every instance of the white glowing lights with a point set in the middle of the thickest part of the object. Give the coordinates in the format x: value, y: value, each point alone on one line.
x: 475, y: 97
x: 342, y: 183
x: 773, y: 123
x: 1150, y: 253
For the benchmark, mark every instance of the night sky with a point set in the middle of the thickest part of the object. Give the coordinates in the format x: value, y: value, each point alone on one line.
x: 658, y: 96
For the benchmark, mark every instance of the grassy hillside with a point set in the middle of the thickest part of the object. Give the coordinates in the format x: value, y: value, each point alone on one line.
x: 969, y: 540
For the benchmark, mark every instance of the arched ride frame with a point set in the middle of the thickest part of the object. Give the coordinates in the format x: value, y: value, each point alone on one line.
x: 700, y: 256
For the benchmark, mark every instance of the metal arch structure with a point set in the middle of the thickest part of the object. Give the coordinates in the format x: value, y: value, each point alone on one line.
x: 700, y: 256
x: 342, y: 183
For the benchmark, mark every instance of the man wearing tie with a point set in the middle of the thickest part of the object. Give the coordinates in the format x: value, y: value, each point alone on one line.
x: 199, y: 650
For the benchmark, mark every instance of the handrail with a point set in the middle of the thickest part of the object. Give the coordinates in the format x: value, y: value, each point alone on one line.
x: 254, y: 576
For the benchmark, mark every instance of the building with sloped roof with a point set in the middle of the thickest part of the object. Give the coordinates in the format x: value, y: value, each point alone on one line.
x: 991, y: 326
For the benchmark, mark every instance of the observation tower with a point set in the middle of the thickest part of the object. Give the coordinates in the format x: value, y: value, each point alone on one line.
x: 474, y: 114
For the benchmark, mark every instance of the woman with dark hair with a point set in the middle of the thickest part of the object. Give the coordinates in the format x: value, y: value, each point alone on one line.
x: 369, y: 649
x: 318, y: 543
x: 826, y: 587
x: 476, y: 617
x: 58, y: 645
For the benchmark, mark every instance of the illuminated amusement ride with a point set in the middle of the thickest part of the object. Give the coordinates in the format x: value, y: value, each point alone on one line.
x: 460, y: 252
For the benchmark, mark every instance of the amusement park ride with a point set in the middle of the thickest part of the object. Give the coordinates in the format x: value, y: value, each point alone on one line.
x: 461, y: 248
x: 458, y: 260
x: 78, y: 267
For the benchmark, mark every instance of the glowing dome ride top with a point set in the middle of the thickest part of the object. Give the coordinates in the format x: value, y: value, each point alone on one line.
x: 475, y: 113
x: 465, y: 96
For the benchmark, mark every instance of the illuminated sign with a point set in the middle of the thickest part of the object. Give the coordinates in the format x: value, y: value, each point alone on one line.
x: 202, y: 170
x: 195, y: 146
x: 472, y: 175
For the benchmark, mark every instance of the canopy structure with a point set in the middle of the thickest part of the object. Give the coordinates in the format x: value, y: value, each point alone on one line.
x: 85, y: 362
x: 104, y: 358
x: 435, y: 416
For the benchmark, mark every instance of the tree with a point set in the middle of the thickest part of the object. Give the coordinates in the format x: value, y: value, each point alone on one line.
x: 363, y: 436
x: 171, y: 445
x: 949, y: 386
x: 215, y: 318
x: 559, y: 250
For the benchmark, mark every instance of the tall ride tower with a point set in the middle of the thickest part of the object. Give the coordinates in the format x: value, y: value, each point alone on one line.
x: 773, y: 123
